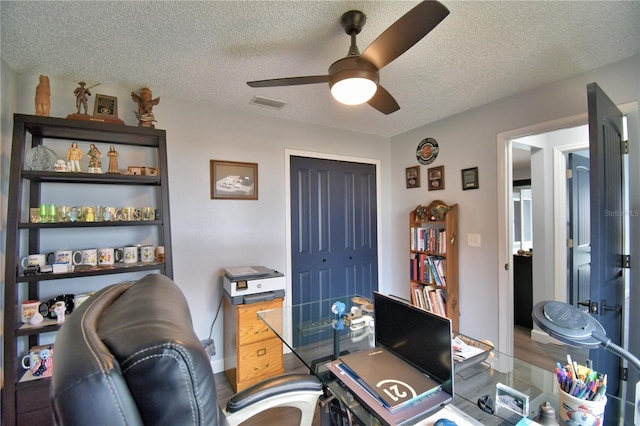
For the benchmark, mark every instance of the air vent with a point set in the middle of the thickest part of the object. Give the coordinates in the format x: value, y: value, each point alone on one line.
x: 266, y: 102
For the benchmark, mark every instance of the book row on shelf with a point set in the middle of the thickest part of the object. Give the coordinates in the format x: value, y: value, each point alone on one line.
x: 433, y: 240
x: 428, y: 269
x: 429, y: 298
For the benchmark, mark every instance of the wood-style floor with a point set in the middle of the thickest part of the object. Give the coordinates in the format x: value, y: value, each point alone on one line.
x: 542, y: 355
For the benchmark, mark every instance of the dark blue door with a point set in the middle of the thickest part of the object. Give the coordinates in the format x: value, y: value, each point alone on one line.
x: 333, y: 233
x: 579, y: 256
x: 607, y: 226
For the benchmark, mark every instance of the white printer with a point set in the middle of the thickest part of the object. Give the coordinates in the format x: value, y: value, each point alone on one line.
x: 248, y: 284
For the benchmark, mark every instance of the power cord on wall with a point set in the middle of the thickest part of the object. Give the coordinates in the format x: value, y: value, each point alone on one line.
x: 208, y: 344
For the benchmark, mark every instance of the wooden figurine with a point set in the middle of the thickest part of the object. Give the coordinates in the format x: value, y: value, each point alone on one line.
x: 145, y: 103
x: 43, y: 96
x: 113, y: 160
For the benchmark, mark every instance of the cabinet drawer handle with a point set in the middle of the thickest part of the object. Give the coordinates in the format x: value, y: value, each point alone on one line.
x: 261, y: 331
x: 261, y: 352
x: 260, y: 368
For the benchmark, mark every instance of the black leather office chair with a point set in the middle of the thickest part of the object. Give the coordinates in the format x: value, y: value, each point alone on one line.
x: 129, y: 356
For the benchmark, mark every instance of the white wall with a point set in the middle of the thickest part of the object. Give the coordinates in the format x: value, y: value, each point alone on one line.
x: 209, y: 235
x: 8, y: 84
x: 469, y: 140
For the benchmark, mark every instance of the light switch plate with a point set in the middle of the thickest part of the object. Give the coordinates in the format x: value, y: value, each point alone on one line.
x: 474, y: 240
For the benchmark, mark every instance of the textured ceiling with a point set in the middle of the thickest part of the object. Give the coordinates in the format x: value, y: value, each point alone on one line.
x: 205, y: 52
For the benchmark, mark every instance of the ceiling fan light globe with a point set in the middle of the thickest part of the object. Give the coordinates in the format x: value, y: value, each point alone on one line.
x: 353, y: 91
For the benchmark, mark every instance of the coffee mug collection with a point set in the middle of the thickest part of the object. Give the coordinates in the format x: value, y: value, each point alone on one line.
x: 65, y: 260
x: 50, y: 213
x: 35, y: 311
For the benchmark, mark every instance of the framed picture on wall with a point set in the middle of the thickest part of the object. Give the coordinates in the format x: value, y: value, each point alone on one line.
x: 470, y: 178
x: 412, y: 175
x: 436, y: 178
x: 232, y: 180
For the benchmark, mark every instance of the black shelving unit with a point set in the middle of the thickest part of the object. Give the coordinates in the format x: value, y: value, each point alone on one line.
x: 28, y: 402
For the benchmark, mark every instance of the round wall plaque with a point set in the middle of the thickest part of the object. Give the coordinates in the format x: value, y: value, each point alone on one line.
x: 427, y: 151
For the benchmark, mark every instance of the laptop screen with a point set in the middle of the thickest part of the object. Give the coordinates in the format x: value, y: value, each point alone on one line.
x: 419, y: 337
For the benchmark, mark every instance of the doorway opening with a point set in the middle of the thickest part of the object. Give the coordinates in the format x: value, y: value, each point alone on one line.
x: 543, y: 216
x: 547, y: 163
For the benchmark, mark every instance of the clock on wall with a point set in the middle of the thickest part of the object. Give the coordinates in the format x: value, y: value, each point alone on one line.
x: 427, y: 151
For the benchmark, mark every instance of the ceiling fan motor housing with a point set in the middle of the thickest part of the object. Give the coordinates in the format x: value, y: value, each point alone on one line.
x: 352, y: 67
x: 353, y: 21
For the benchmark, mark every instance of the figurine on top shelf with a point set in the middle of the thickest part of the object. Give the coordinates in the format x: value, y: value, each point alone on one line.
x: 113, y: 160
x: 145, y: 103
x: 95, y: 159
x: 73, y: 157
x: 82, y: 93
x: 43, y: 97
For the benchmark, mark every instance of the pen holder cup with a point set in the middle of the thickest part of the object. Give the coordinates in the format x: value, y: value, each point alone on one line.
x: 575, y: 410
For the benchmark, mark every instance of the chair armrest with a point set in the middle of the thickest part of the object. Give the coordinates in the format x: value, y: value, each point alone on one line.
x: 275, y: 386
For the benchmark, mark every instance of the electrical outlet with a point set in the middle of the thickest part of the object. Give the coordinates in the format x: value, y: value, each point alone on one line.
x: 474, y: 240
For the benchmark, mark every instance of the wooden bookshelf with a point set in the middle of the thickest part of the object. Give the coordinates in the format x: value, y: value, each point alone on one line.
x: 433, y: 259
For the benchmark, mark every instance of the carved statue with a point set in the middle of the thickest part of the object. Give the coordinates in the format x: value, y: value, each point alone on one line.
x: 113, y: 160
x: 145, y: 103
x: 43, y: 96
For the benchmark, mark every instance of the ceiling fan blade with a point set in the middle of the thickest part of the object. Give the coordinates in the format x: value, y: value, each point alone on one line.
x: 383, y: 101
x: 290, y: 81
x: 404, y: 33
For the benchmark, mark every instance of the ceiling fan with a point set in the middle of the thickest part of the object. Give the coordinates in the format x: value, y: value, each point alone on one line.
x: 354, y: 79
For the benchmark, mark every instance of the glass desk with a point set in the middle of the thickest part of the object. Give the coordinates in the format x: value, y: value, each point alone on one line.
x: 314, y: 335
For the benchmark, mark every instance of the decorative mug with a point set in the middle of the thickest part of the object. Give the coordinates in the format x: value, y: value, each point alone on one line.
x: 88, y: 213
x: 130, y: 254
x: 148, y: 213
x: 130, y: 213
x: 34, y: 260
x: 159, y: 254
x: 147, y: 253
x: 69, y: 301
x: 61, y: 256
x: 62, y: 213
x: 73, y: 214
x: 108, y: 256
x: 28, y: 309
x: 39, y: 361
x: 85, y: 257
x: 110, y: 213
x: 34, y: 215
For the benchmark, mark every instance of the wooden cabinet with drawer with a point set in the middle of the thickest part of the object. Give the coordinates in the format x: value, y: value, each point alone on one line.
x: 252, y: 352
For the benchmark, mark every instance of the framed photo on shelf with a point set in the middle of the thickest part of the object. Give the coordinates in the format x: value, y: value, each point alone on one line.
x: 470, y: 179
x: 232, y: 180
x: 435, y: 176
x: 412, y: 175
x: 105, y: 106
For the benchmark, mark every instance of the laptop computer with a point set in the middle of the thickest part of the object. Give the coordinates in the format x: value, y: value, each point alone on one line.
x: 411, y: 365
x: 390, y: 379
